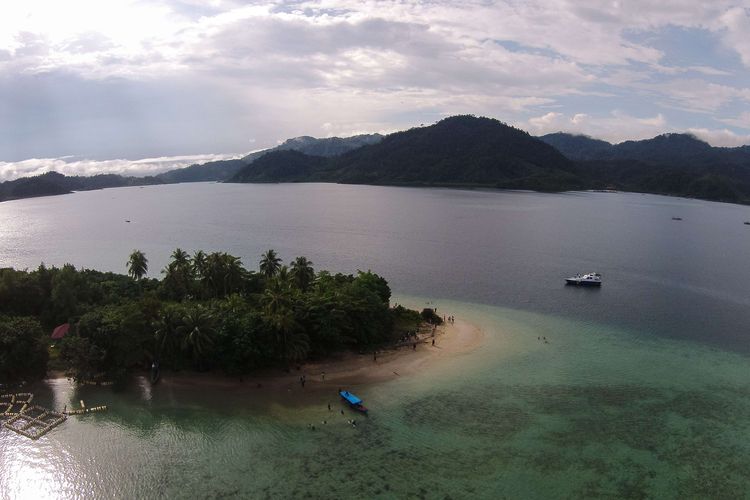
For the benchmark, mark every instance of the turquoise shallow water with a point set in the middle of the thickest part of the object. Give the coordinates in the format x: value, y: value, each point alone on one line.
x: 596, y: 412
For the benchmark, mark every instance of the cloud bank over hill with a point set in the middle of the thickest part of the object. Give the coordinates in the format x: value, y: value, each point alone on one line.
x: 71, y: 166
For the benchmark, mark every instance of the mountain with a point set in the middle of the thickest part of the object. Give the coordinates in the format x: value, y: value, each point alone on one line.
x: 578, y: 147
x: 327, y: 147
x: 211, y: 171
x: 675, y: 164
x: 457, y: 151
x: 462, y: 151
x: 665, y: 149
x: 53, y: 183
x: 225, y: 169
x: 284, y: 165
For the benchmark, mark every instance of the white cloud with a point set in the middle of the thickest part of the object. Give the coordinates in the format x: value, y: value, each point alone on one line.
x: 277, y: 69
x: 69, y: 166
x: 741, y: 121
x: 616, y: 127
x: 736, y: 22
x: 721, y: 137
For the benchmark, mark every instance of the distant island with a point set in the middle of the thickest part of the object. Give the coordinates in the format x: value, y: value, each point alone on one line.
x: 463, y: 151
x: 207, y: 313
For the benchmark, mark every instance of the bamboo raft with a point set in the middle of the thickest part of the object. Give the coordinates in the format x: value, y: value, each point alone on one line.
x: 83, y: 410
x: 20, y: 416
x: 96, y: 382
x: 14, y: 404
x: 32, y: 421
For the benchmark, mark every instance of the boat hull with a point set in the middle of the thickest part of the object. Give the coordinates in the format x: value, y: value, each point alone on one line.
x: 582, y: 283
x: 353, y: 401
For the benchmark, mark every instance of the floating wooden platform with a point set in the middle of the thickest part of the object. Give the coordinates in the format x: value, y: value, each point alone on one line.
x: 19, y: 415
x: 35, y: 422
x: 14, y: 404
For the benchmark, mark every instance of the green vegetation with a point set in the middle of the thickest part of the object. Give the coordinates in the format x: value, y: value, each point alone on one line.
x: 465, y: 151
x: 23, y: 352
x: 462, y: 151
x: 207, y: 313
x: 53, y: 183
x: 457, y: 151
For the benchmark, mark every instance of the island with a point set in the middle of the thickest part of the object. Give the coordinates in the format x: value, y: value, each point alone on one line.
x: 206, y: 315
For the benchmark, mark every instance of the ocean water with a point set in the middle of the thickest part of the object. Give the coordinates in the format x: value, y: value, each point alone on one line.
x: 591, y: 413
x: 642, y: 390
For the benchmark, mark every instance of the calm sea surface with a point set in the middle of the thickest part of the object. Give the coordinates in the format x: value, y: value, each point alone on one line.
x: 643, y: 390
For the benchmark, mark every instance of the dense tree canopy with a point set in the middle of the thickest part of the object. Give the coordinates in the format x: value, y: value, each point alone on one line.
x: 207, y: 312
x: 23, y: 352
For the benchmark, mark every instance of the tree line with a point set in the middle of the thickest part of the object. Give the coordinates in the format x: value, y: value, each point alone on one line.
x: 206, y: 312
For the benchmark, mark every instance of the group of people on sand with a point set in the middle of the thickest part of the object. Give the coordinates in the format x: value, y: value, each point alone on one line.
x: 449, y: 319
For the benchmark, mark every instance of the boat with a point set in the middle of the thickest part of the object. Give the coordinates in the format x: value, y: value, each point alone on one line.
x: 353, y: 401
x: 676, y: 218
x: 590, y: 279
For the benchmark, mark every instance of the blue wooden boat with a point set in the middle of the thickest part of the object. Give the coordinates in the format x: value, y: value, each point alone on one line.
x: 353, y: 401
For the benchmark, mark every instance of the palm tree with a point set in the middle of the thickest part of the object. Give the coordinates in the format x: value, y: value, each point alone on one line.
x: 270, y: 264
x: 233, y: 274
x: 137, y: 265
x: 180, y: 258
x: 302, y: 273
x: 177, y: 280
x: 197, y: 330
x: 274, y: 300
x: 283, y: 278
x: 165, y: 333
x: 199, y: 264
x: 223, y: 274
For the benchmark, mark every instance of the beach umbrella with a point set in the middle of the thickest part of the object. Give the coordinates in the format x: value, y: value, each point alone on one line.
x: 60, y: 331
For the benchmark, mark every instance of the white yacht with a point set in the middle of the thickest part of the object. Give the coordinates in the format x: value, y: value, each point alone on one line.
x: 590, y: 279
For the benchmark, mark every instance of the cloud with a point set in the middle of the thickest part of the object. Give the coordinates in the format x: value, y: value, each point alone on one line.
x: 721, y: 137
x: 70, y: 166
x: 736, y: 23
x: 741, y: 121
x: 132, y: 78
x: 615, y: 127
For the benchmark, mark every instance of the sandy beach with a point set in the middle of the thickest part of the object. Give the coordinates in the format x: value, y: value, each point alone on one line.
x: 349, y: 370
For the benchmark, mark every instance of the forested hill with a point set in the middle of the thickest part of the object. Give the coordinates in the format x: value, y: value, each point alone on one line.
x: 665, y: 149
x: 471, y: 151
x: 53, y: 183
x: 457, y: 151
x: 328, y: 146
x: 225, y: 169
x: 463, y: 151
x: 675, y: 164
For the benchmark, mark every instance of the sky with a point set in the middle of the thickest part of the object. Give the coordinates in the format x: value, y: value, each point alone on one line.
x: 137, y: 87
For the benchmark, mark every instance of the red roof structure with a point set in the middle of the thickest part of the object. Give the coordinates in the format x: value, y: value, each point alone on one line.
x: 60, y: 331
